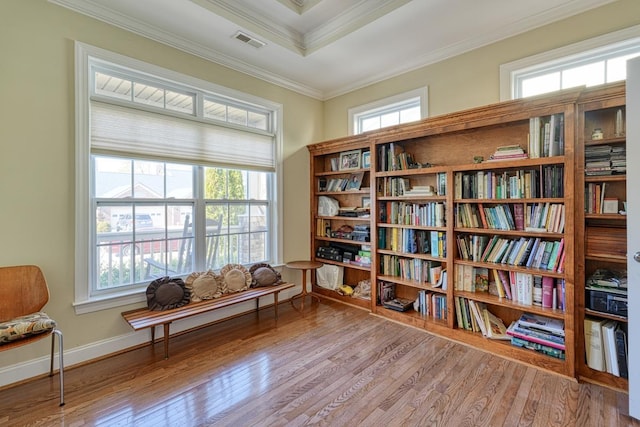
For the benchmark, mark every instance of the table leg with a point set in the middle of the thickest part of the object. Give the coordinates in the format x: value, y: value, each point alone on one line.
x: 304, y: 292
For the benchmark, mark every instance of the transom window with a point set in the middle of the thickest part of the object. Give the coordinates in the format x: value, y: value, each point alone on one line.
x: 173, y: 177
x: 580, y: 64
x: 403, y: 108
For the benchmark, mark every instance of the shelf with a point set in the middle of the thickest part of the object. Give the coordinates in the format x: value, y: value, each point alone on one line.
x: 606, y: 258
x: 608, y: 217
x: 328, y: 293
x: 507, y: 267
x: 346, y: 218
x: 605, y: 178
x: 605, y: 315
x: 411, y: 283
x: 605, y: 141
x: 347, y: 241
x: 345, y: 172
x: 503, y: 302
x: 514, y: 200
x: 510, y: 164
x: 413, y: 227
x: 344, y: 193
x: 510, y: 232
x: 412, y: 172
x: 412, y: 197
x: 343, y: 264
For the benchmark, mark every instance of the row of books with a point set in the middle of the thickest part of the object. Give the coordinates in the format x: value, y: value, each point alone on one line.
x: 516, y: 184
x: 392, y: 157
x: 546, y: 136
x: 411, y: 269
x: 606, y: 346
x: 422, y: 214
x: 545, y: 217
x: 341, y: 184
x: 539, y: 333
x: 530, y: 252
x: 411, y: 241
x: 474, y: 316
x: 429, y: 304
x: 523, y: 288
x: 596, y: 202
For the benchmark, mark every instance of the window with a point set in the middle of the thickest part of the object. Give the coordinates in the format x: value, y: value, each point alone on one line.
x: 403, y: 108
x: 591, y: 62
x: 175, y: 175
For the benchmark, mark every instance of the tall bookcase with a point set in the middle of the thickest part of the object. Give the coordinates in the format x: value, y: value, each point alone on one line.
x: 600, y: 227
x: 431, y: 181
x: 334, y: 164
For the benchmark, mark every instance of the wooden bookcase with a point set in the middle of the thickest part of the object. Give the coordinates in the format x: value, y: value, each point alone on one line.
x: 323, y: 172
x: 439, y: 153
x: 600, y: 237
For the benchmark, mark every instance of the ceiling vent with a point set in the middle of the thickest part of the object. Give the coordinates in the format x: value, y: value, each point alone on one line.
x: 247, y: 39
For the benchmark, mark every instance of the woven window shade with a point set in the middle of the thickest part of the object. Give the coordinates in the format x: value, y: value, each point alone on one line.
x: 122, y: 130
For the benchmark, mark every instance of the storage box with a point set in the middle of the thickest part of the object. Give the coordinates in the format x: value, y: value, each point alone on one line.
x: 607, y: 302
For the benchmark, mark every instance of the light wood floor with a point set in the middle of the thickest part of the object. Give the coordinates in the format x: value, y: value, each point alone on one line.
x: 333, y: 365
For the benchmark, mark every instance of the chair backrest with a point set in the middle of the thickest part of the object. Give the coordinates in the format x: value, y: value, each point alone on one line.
x: 23, y: 290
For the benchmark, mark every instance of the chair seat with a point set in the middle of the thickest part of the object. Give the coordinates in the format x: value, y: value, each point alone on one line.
x: 25, y: 326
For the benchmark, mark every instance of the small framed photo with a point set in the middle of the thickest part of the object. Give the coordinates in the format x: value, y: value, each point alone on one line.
x: 366, y: 160
x: 350, y: 160
x: 366, y: 202
x: 355, y: 181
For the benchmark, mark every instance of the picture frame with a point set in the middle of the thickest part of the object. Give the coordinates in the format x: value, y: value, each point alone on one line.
x: 350, y: 160
x: 355, y: 181
x: 366, y: 202
x: 366, y: 160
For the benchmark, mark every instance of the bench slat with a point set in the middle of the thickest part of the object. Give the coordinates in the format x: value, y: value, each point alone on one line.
x: 142, y: 318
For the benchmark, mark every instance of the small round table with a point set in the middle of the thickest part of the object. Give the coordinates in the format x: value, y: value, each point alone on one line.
x: 311, y: 266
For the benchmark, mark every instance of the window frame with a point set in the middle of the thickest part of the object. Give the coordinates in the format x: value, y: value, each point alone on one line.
x: 395, y: 102
x: 84, y: 242
x: 565, y: 57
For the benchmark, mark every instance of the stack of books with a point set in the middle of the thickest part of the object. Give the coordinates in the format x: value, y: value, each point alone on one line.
x: 539, y: 333
x: 508, y: 152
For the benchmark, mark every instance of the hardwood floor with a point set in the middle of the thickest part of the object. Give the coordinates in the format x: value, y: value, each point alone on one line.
x: 332, y: 365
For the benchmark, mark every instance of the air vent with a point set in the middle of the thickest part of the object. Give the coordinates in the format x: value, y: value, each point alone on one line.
x: 247, y: 39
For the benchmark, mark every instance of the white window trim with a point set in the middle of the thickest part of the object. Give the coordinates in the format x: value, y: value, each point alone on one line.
x: 508, y: 70
x: 83, y: 302
x: 422, y: 93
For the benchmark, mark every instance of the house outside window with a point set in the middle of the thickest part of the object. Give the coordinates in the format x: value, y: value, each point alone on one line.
x: 403, y: 108
x: 175, y: 175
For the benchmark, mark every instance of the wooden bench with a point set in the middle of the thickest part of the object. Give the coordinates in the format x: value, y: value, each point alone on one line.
x: 144, y: 318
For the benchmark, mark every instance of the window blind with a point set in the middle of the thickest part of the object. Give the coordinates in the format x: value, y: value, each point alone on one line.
x: 121, y: 130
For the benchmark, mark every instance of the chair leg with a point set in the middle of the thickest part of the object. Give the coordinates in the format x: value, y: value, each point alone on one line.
x: 60, y: 350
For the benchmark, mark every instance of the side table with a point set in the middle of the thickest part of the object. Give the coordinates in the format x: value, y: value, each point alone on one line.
x: 304, y: 266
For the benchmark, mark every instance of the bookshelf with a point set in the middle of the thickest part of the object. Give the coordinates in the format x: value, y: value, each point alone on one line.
x: 447, y: 190
x: 600, y: 231
x: 335, y: 166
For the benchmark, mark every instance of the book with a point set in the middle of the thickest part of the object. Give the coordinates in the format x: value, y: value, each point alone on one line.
x: 495, y: 327
x: 609, y: 345
x: 513, y: 332
x: 622, y: 351
x: 536, y: 321
x: 547, y: 291
x: 593, y: 344
x: 540, y: 348
x: 538, y: 334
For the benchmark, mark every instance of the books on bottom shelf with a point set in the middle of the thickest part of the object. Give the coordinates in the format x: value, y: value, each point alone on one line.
x: 606, y: 346
x: 539, y: 333
x: 475, y: 316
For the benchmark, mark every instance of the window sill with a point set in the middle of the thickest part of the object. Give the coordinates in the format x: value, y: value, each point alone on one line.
x: 105, y: 303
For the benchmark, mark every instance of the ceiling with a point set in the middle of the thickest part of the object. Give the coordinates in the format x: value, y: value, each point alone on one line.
x: 325, y: 48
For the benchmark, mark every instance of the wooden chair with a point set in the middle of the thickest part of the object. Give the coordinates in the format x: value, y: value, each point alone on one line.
x: 24, y: 291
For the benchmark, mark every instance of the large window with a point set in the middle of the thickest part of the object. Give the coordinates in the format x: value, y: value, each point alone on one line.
x: 403, y: 108
x: 588, y: 63
x: 174, y: 176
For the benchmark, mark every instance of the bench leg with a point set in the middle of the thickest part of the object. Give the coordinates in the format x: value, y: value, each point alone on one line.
x: 275, y: 303
x: 166, y: 340
x: 153, y: 335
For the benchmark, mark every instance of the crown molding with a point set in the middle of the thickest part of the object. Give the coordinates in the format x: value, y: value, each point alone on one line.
x: 88, y: 8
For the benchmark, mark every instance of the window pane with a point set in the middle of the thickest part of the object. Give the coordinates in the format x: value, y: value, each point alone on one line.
x: 148, y: 95
x: 112, y: 177
x: 215, y: 184
x: 258, y: 248
x: 148, y: 180
x: 239, y: 218
x: 371, y: 123
x: 410, y: 115
x: 588, y: 75
x: 113, y: 87
x: 258, y: 120
x: 237, y: 115
x: 257, y: 183
x: 180, y: 102
x: 617, y: 67
x: 390, y: 119
x: 179, y: 181
x: 215, y: 110
x: 541, y: 84
x: 259, y: 218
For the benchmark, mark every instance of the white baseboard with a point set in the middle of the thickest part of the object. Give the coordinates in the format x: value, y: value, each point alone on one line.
x: 40, y: 366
